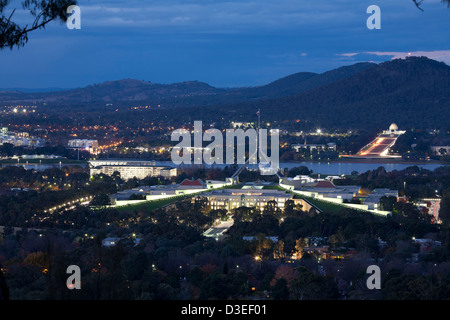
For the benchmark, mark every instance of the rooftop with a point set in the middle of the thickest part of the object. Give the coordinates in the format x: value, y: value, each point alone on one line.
x: 192, y: 183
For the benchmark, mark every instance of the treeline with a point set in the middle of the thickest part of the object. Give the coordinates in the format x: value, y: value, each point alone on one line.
x: 27, y: 195
x: 174, y: 261
x: 163, y: 255
x: 414, y: 182
x: 346, y: 229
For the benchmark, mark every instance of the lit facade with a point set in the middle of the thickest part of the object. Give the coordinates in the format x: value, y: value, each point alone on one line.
x: 85, y: 144
x: 135, y: 171
x: 230, y: 199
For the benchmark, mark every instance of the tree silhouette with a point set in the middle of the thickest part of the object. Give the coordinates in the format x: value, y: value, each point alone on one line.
x: 419, y: 2
x: 13, y: 35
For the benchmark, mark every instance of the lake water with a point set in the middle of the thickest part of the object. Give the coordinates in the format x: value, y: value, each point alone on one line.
x: 40, y: 167
x: 339, y: 168
x: 331, y: 168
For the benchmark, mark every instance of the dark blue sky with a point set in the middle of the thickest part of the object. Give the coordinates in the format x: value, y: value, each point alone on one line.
x: 224, y: 43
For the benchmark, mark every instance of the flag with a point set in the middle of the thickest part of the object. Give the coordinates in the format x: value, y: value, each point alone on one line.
x: 257, y: 112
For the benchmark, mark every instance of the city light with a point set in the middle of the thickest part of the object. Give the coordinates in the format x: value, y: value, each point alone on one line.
x: 230, y: 183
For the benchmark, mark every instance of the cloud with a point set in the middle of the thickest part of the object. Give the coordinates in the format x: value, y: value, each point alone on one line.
x: 223, y: 42
x: 438, y: 55
x: 217, y: 15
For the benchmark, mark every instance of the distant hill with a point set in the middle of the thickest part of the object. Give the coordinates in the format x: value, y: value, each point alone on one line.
x: 190, y: 93
x: 51, y: 89
x: 127, y: 90
x: 299, y: 82
x: 412, y: 92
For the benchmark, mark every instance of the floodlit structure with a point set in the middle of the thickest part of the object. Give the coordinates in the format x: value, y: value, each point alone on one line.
x: 230, y: 199
x: 320, y: 189
x: 381, y: 146
x: 157, y: 192
x: 129, y: 169
x: 19, y: 139
x: 393, y: 131
x: 343, y: 195
x: 84, y: 144
x: 320, y: 147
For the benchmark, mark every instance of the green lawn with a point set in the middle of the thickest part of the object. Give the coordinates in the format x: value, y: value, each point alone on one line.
x: 156, y: 204
x: 236, y: 186
x: 324, y: 205
x: 151, y: 204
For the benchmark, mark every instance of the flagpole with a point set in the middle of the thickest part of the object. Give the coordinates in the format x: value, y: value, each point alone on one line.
x: 257, y: 136
x: 259, y: 119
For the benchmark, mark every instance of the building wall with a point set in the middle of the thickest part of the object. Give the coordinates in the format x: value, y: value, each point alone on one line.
x: 121, y: 162
x: 89, y: 145
x: 140, y: 172
x: 232, y: 201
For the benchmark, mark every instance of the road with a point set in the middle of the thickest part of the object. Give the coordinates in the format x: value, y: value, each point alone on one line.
x: 218, y: 230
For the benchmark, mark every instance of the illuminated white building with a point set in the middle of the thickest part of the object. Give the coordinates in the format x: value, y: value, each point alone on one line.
x: 229, y: 199
x: 129, y: 169
x: 84, y: 144
x: 393, y: 131
x: 381, y: 146
x: 135, y: 171
x: 20, y: 139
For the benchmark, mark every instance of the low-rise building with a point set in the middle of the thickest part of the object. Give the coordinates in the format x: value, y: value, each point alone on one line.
x: 39, y: 156
x: 131, y: 169
x: 426, y: 244
x: 230, y: 199
x: 252, y: 238
x: 340, y: 194
x: 113, y: 241
x: 319, y: 147
x: 84, y: 144
x: 139, y: 172
x: 157, y: 192
x: 320, y: 188
x: 19, y: 139
x: 110, y: 242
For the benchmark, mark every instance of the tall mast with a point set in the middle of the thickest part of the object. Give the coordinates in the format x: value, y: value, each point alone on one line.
x: 257, y: 135
x: 259, y: 119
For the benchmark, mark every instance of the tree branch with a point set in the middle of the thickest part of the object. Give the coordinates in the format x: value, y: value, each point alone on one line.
x: 418, y: 3
x: 43, y: 12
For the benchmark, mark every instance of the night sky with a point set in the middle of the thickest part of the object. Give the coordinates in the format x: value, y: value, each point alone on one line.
x: 223, y: 43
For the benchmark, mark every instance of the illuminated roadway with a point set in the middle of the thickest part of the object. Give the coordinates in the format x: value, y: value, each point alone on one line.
x: 378, y: 147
